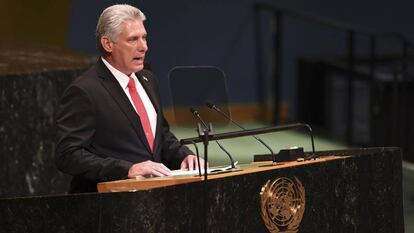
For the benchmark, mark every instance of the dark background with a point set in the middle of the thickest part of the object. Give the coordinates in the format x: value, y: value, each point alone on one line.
x: 222, y: 33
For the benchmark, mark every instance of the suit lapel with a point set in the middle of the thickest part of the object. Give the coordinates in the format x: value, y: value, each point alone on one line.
x: 115, y: 90
x: 148, y: 85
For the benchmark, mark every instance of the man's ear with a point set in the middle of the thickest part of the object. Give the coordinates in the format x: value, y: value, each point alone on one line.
x: 106, y: 43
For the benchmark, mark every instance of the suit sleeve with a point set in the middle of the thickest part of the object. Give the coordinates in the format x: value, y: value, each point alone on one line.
x: 75, y: 130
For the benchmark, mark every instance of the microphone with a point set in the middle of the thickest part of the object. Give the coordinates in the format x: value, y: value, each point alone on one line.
x: 197, y: 114
x: 250, y: 132
x: 215, y: 108
x: 201, y: 132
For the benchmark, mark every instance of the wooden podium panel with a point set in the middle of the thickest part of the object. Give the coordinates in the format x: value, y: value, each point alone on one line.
x: 344, y: 191
x: 132, y: 185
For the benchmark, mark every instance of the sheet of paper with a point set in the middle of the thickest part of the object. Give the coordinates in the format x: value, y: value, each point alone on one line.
x: 195, y: 172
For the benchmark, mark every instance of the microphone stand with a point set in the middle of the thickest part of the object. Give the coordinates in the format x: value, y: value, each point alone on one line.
x: 228, y: 154
x: 250, y: 132
x: 203, y: 133
x: 215, y: 108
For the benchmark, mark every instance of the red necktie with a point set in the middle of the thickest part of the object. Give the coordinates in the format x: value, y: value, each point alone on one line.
x: 142, y: 112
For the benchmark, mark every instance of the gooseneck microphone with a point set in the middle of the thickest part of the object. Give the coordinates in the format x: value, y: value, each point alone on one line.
x: 215, y: 108
x: 197, y: 114
x: 228, y: 154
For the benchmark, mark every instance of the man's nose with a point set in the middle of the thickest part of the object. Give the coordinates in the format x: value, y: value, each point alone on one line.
x: 142, y: 46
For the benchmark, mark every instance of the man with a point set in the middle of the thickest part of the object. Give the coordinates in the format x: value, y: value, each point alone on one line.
x: 109, y: 123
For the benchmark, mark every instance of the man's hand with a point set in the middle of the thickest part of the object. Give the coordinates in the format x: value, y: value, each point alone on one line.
x: 190, y: 163
x: 148, y: 169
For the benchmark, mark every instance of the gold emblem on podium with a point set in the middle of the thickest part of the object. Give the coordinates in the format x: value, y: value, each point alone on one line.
x: 282, y: 204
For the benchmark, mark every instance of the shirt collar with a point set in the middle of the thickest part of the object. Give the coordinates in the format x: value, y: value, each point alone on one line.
x: 122, y: 78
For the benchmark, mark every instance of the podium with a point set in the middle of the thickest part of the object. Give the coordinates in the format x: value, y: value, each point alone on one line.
x: 132, y: 185
x: 358, y: 190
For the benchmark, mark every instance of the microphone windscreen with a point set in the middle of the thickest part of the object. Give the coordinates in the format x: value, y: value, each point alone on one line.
x: 210, y: 105
x: 193, y: 111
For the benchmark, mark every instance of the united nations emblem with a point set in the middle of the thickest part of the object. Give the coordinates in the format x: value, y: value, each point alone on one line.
x: 282, y: 204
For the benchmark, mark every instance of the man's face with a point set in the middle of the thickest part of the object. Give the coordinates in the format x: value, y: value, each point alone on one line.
x: 128, y: 52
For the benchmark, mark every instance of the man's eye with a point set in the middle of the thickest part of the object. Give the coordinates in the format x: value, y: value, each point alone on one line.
x: 133, y: 39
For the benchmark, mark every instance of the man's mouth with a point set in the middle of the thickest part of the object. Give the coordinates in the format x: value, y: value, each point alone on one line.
x: 138, y: 59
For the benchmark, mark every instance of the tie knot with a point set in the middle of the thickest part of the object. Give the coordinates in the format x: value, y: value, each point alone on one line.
x: 131, y: 83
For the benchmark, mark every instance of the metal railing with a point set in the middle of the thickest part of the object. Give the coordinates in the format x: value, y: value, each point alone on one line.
x: 400, y: 62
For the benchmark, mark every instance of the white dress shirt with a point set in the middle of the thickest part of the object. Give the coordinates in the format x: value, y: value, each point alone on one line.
x: 123, y: 80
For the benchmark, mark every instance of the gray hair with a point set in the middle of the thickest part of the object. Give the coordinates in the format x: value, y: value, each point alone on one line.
x: 111, y: 19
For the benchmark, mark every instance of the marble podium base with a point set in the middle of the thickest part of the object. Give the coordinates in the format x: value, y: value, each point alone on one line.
x: 359, y: 191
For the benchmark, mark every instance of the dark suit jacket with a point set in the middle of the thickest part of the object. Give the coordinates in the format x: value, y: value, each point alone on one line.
x: 99, y: 134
